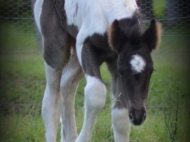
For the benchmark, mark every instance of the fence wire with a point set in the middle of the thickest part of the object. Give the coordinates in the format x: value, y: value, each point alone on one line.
x: 22, y: 77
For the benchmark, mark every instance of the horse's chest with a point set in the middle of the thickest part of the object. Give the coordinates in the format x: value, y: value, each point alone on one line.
x: 98, y: 41
x: 98, y: 46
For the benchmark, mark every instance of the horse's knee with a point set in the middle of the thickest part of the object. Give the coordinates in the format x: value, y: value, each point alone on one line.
x: 52, y: 97
x: 66, y: 81
x: 67, y: 89
x: 70, y: 79
x: 95, y: 93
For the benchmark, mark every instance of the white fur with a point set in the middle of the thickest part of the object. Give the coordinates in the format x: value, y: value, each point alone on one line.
x: 62, y: 131
x: 79, y: 43
x: 68, y: 124
x: 95, y: 92
x: 121, y: 124
x: 70, y: 78
x: 95, y: 97
x: 119, y: 9
x: 59, y: 98
x: 51, y: 104
x: 137, y: 63
x: 37, y: 12
x: 95, y: 16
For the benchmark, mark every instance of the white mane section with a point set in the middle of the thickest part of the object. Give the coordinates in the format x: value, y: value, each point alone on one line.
x: 137, y: 64
x: 97, y: 15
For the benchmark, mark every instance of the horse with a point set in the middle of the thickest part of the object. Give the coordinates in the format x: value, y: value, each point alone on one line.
x: 78, y: 36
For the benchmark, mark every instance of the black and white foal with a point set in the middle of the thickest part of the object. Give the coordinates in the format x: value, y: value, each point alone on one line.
x: 78, y: 36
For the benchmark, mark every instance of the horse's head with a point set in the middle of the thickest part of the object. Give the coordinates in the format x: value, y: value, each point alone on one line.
x: 134, y: 63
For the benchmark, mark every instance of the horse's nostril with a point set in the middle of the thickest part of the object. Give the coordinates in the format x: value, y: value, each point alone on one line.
x: 131, y: 116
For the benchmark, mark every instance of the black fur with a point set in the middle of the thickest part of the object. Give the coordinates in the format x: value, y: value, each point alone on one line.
x: 56, y: 40
x: 125, y: 30
x: 96, y: 51
x: 150, y: 36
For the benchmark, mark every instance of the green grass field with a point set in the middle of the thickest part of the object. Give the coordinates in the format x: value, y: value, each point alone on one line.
x: 22, y: 83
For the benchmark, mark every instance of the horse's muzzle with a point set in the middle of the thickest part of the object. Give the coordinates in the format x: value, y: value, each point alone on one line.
x: 136, y: 116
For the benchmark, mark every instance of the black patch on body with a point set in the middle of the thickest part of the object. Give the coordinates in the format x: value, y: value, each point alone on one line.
x: 59, y: 7
x: 96, y: 51
x: 57, y: 41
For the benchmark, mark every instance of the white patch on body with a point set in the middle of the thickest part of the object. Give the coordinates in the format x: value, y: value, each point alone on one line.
x: 137, y: 64
x: 37, y: 12
x: 131, y: 5
x: 79, y: 44
x: 96, y: 16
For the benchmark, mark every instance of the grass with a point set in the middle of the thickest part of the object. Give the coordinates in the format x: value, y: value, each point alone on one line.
x: 22, y: 85
x: 159, y: 8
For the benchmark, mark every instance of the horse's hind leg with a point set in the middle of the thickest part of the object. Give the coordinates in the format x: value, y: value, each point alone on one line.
x: 71, y: 76
x: 51, y: 104
x: 56, y: 54
x: 52, y: 100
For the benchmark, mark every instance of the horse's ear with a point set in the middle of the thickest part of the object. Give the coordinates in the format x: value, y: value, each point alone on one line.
x: 114, y: 34
x: 152, y: 36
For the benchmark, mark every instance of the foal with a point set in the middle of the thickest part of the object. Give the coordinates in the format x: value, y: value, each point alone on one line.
x: 78, y: 36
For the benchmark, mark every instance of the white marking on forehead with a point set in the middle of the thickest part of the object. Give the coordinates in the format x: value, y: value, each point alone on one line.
x: 137, y: 63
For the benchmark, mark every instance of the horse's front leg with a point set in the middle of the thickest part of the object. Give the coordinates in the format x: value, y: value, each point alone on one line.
x: 95, y: 90
x: 120, y: 118
x: 121, y: 124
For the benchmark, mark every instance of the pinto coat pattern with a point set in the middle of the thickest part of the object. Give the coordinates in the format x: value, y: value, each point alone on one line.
x: 78, y: 36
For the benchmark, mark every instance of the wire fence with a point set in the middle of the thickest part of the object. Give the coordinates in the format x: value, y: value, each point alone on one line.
x: 22, y: 77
